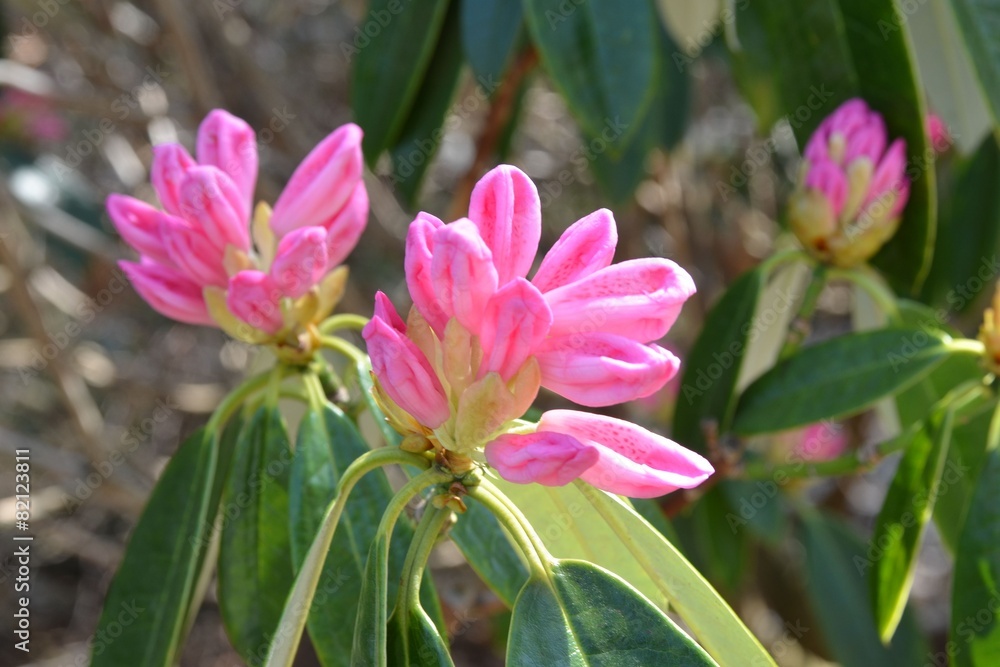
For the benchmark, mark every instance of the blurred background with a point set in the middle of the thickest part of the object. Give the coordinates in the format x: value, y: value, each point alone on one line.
x: 102, y: 389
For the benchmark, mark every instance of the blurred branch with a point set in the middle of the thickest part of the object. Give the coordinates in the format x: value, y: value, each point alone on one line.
x: 184, y: 32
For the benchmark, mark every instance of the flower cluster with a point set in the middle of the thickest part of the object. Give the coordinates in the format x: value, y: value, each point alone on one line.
x: 481, y: 340
x: 852, y: 189
x: 203, y: 262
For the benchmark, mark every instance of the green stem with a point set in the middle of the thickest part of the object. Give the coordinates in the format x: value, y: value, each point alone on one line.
x: 799, y: 328
x: 343, y: 321
x: 967, y: 345
x: 314, y: 390
x: 424, y: 539
x: 993, y: 435
x: 779, y: 259
x: 236, y: 398
x: 880, y: 294
x: 342, y: 346
x: 516, y: 524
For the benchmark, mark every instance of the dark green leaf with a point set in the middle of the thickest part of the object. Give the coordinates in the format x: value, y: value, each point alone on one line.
x: 904, y: 515
x: 490, y: 31
x: 713, y: 537
x: 979, y: 21
x: 422, y: 132
x: 975, y: 598
x: 584, y: 615
x: 370, y: 631
x: 255, y: 565
x: 835, y: 566
x: 838, y: 377
x: 485, y: 545
x: 708, y: 382
x: 392, y: 49
x: 600, y: 55
x: 422, y: 645
x: 154, y: 585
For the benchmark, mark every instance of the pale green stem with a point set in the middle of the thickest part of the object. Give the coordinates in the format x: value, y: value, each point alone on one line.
x: 967, y: 345
x: 343, y: 321
x: 779, y: 259
x: 236, y: 398
x: 314, y: 390
x: 343, y: 347
x: 516, y: 524
x: 885, y: 299
x: 424, y: 539
x: 800, y: 325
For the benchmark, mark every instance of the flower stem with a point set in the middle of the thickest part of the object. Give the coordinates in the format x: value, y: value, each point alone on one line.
x: 424, y: 539
x: 967, y: 345
x: 343, y: 347
x: 236, y: 398
x: 516, y: 524
x: 800, y: 326
x: 880, y: 294
x: 779, y: 259
x: 343, y: 321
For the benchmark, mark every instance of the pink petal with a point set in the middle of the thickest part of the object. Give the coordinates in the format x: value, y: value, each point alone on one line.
x: 346, y: 227
x: 139, y: 224
x: 168, y: 291
x: 322, y: 184
x: 547, y: 458
x: 385, y: 311
x: 828, y: 178
x: 170, y: 165
x: 639, y: 299
x: 419, y: 257
x: 405, y: 374
x: 462, y: 272
x: 505, y: 207
x: 514, y: 324
x: 229, y: 143
x: 300, y: 261
x: 633, y: 461
x: 867, y: 142
x: 890, y: 176
x: 191, y: 252
x: 601, y: 369
x: 588, y: 245
x: 210, y: 200
x: 254, y: 297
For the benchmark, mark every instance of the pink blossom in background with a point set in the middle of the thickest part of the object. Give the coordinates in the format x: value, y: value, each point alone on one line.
x: 482, y: 338
x: 819, y: 442
x: 201, y: 240
x: 23, y: 113
x: 937, y: 133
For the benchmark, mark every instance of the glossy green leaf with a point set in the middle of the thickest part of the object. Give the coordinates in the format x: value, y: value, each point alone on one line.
x: 903, y: 517
x: 836, y: 563
x: 422, y: 132
x: 584, y: 615
x: 255, y: 563
x: 419, y: 644
x: 837, y: 378
x: 600, y: 55
x: 370, y: 629
x: 713, y: 623
x: 489, y: 552
x: 154, y: 584
x: 979, y: 21
x: 975, y: 596
x: 490, y: 31
x: 713, y: 536
x: 391, y: 51
x: 711, y: 369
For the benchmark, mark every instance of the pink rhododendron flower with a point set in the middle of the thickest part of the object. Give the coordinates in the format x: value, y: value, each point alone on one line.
x: 937, y: 133
x: 204, y: 261
x: 852, y: 187
x: 482, y: 338
x: 819, y: 442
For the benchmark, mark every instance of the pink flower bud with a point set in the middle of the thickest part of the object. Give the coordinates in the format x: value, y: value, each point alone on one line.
x: 255, y: 298
x: 403, y: 371
x: 515, y: 323
x: 169, y: 291
x: 505, y: 208
x: 170, y: 166
x: 548, y: 458
x: 344, y: 230
x: 191, y: 252
x: 322, y: 184
x: 139, y: 224
x: 588, y: 245
x: 210, y: 200
x: 300, y: 261
x: 229, y: 143
x: 419, y: 257
x: 462, y: 272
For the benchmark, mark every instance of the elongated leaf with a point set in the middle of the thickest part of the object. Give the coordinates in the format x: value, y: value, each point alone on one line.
x: 979, y: 21
x: 370, y: 632
x: 903, y: 517
x: 389, y: 434
x: 714, y: 624
x: 713, y: 536
x: 154, y: 583
x: 486, y: 546
x: 585, y: 615
x: 255, y: 564
x: 835, y: 563
x: 600, y: 55
x: 391, y: 50
x: 420, y: 644
x: 708, y: 383
x: 975, y: 591
x: 837, y: 378
x: 422, y: 132
x: 490, y: 31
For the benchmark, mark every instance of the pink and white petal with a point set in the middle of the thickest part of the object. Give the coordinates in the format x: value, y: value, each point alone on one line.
x: 171, y: 163
x: 601, y: 369
x: 191, y: 252
x: 639, y: 299
x: 419, y: 258
x: 633, y: 460
x: 588, y: 245
x: 505, y: 207
x: 229, y: 143
x: 255, y: 298
x: 890, y: 175
x: 211, y: 201
x: 344, y: 231
x: 138, y: 223
x: 550, y: 459
x: 322, y: 184
x: 514, y: 324
x: 168, y: 291
x: 462, y: 272
x: 300, y: 261
x: 385, y: 311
